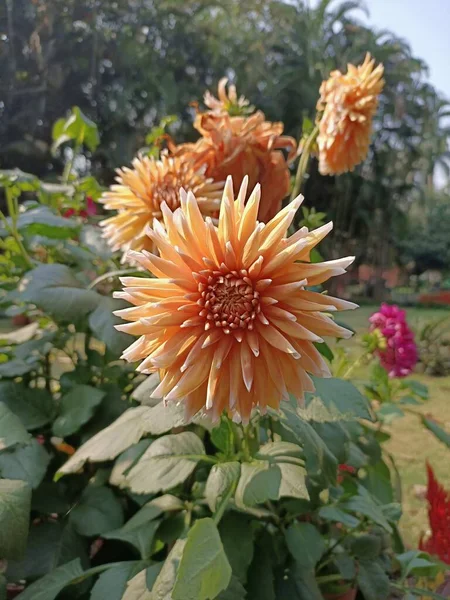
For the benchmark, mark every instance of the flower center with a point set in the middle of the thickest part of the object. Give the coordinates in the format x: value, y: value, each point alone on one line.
x: 229, y: 301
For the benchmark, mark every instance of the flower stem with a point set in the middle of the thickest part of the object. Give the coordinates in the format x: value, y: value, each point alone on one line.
x: 303, y: 162
x: 11, y: 226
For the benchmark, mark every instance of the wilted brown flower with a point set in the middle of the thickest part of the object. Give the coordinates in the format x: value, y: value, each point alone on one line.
x: 347, y: 105
x: 140, y: 191
x: 226, y: 319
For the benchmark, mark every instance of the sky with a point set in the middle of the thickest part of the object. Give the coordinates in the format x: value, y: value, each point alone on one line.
x: 424, y: 24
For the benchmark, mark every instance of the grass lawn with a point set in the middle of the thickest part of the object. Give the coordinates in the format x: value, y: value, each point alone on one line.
x: 411, y: 444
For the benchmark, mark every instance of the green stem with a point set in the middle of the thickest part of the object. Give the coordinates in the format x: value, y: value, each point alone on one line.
x: 12, y: 229
x: 303, y: 162
x: 69, y: 165
x: 328, y: 578
x: 245, y: 443
x: 209, y: 459
x: 109, y: 275
x: 224, y: 503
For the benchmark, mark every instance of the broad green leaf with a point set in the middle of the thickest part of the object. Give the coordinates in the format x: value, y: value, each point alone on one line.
x: 112, y: 583
x: 144, y: 390
x: 20, y: 336
x: 306, y: 544
x: 259, y: 481
x: 125, y: 461
x: 97, y: 512
x: 275, y: 450
x: 235, y: 591
x: 343, y: 395
x: 166, y: 463
x: 388, y: 412
x: 223, y: 438
x: 366, y: 506
x: 18, y: 367
x: 420, y: 389
x: 102, y: 322
x: 76, y: 408
x: 324, y: 349
x: 373, y: 580
x: 237, y: 538
x: 49, y: 586
x: 136, y: 588
x: 11, y: 429
x: 109, y: 443
x: 34, y: 407
x: 50, y: 545
x: 204, y: 570
x: 140, y: 530
x: 15, y: 500
x: 50, y: 498
x: 221, y: 483
x: 165, y: 581
x: 293, y: 481
x: 260, y: 576
x: 440, y: 433
x: 28, y: 463
x: 77, y: 128
x: 43, y: 221
x: 305, y: 583
x: 378, y: 482
x: 55, y: 289
x: 336, y: 515
x: 418, y: 563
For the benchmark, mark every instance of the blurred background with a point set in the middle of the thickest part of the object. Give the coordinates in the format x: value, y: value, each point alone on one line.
x: 128, y: 63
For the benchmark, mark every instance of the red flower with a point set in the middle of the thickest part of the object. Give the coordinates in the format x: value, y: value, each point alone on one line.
x: 91, y: 209
x: 438, y: 499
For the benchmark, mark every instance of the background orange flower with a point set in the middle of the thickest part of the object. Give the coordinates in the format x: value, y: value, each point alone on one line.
x: 348, y: 103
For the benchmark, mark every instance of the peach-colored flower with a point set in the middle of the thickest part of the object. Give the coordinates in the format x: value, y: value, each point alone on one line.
x: 140, y: 191
x: 228, y: 101
x: 228, y: 320
x: 347, y: 105
x: 240, y: 146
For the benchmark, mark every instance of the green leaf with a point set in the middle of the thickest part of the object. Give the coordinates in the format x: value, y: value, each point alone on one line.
x: 167, y: 462
x: 112, y: 583
x: 222, y: 437
x: 11, y: 429
x: 49, y: 586
x: 336, y: 515
x: 34, y: 407
x: 204, y: 570
x: 418, y: 388
x: 237, y: 538
x: 97, y: 512
x: 76, y: 408
x: 260, y: 576
x: 28, y: 463
x: 102, y: 322
x: 324, y: 350
x: 136, y: 588
x: 365, y: 546
x: 235, y: 591
x: 140, y: 530
x: 286, y: 456
x: 259, y: 481
x: 49, y: 546
x: 56, y: 290
x: 378, y: 482
x: 417, y: 563
x: 50, y: 498
x: 43, y: 221
x: 77, y: 127
x: 440, y: 433
x: 15, y: 501
x: 109, y: 443
x: 343, y: 396
x: 372, y: 580
x: 305, y: 543
x: 305, y: 583
x: 18, y: 367
x: 221, y: 483
x: 388, y: 412
x: 365, y: 505
x: 125, y: 461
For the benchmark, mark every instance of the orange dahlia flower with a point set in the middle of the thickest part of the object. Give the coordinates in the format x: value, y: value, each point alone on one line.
x: 140, y: 191
x: 227, y: 319
x: 239, y: 146
x: 348, y: 103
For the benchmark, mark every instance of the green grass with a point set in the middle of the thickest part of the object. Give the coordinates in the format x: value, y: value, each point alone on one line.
x: 411, y: 444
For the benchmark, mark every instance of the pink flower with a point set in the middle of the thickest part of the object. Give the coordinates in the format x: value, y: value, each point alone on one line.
x: 91, y: 209
x: 400, y: 355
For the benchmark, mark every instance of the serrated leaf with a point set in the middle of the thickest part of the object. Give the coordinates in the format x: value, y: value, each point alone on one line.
x: 305, y: 544
x: 109, y: 443
x: 49, y: 586
x: 237, y: 538
x: 12, y: 430
x: 373, y: 580
x: 55, y: 289
x: 166, y: 463
x: 222, y: 481
x: 102, y: 322
x: 343, y: 396
x: 76, y: 408
x: 28, y: 463
x: 34, y: 407
x: 15, y: 500
x: 97, y: 512
x: 259, y: 481
x: 204, y: 570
